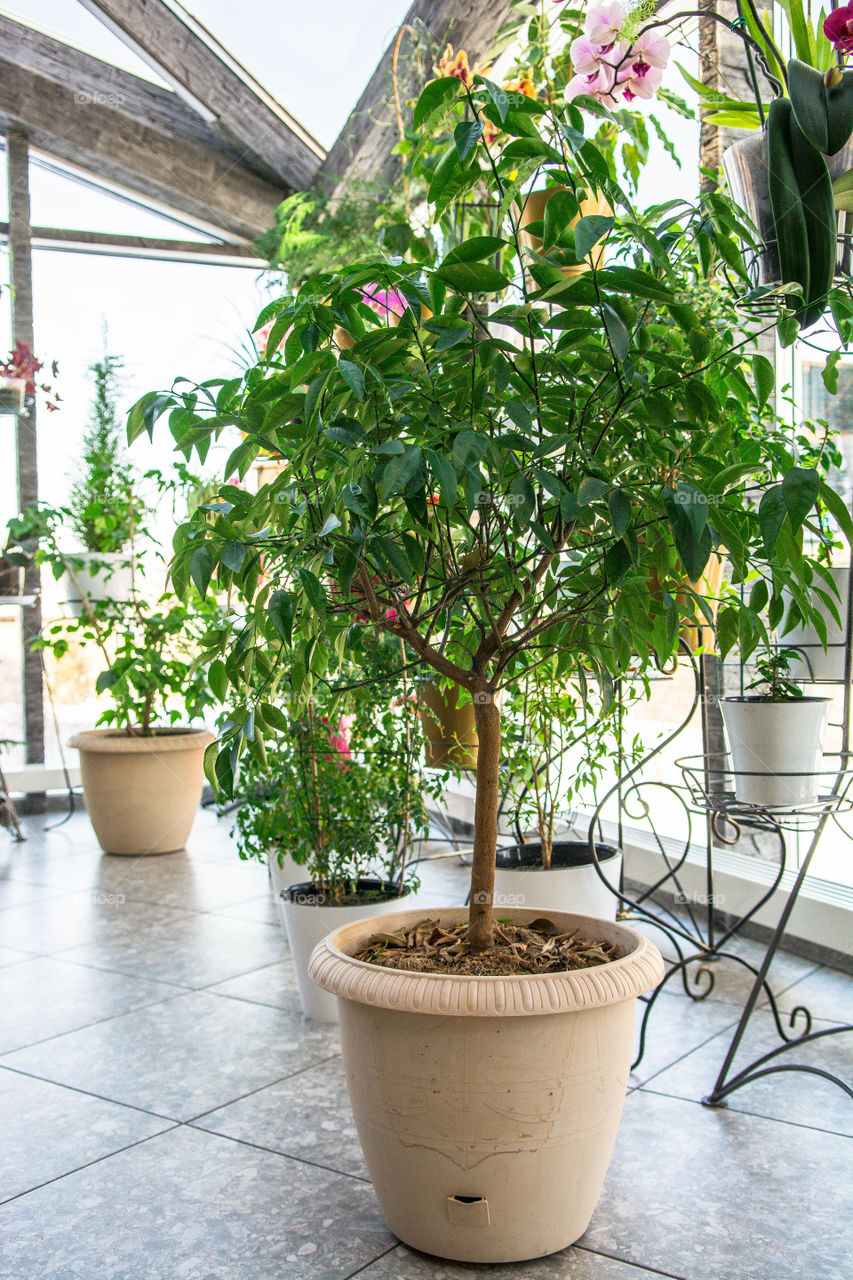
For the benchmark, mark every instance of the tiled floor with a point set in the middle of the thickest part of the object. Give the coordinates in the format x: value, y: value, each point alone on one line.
x: 167, y: 1114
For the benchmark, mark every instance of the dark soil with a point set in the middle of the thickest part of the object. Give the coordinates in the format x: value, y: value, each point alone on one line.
x: 428, y: 947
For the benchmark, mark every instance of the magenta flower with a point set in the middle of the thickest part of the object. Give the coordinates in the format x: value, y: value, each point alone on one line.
x: 838, y: 29
x: 385, y: 302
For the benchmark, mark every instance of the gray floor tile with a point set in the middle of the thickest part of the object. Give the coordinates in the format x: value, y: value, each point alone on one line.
x: 274, y: 984
x: 572, y: 1264
x: 262, y: 909
x: 194, y: 1206
x: 800, y: 1098
x: 18, y: 893
x: 307, y: 1115
x: 73, y: 919
x: 676, y: 1027
x: 181, y: 1057
x: 183, y: 881
x: 827, y: 993
x: 8, y: 956
x: 719, y: 1195
x: 47, y: 996
x: 49, y: 1130
x: 191, y: 949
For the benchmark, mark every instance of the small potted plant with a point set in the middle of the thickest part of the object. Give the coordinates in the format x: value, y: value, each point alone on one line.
x: 142, y: 767
x: 775, y: 736
x: 104, y: 510
x: 18, y: 380
x: 339, y: 801
x: 558, y: 745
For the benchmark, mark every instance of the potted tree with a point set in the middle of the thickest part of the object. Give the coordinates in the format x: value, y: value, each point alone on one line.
x: 142, y: 770
x: 475, y: 485
x: 776, y: 737
x: 104, y: 510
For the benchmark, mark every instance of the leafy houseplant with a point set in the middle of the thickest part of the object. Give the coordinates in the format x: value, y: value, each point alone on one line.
x: 494, y: 485
x: 142, y: 773
x: 339, y: 797
x: 776, y: 737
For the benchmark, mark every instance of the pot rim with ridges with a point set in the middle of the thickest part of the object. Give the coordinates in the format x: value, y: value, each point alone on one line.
x: 118, y: 741
x: 484, y: 996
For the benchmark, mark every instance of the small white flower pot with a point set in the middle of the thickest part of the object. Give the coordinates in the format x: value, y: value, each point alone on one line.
x: 571, y: 883
x: 776, y: 749
x: 813, y: 662
x: 101, y: 575
x: 13, y: 396
x: 307, y: 921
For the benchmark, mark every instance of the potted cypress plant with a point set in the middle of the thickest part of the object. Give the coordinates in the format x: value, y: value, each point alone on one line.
x: 776, y: 737
x: 103, y: 509
x: 476, y: 485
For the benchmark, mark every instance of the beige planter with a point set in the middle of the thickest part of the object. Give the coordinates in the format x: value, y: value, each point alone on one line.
x: 449, y: 731
x: 142, y: 794
x: 533, y: 210
x: 487, y: 1108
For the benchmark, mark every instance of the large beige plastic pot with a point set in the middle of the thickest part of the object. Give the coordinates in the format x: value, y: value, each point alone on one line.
x: 142, y: 794
x: 487, y: 1108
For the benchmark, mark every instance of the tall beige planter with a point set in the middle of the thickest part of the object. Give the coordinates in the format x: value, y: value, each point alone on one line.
x: 487, y: 1108
x: 142, y: 794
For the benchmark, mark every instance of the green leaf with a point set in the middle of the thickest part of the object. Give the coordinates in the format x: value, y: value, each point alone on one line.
x: 824, y: 115
x: 764, y: 377
x: 217, y: 678
x: 313, y: 589
x: 475, y: 249
x: 591, y: 489
x: 233, y: 555
x: 800, y: 489
x: 561, y: 209
x: 437, y: 94
x: 619, y: 505
x: 473, y: 277
x: 466, y: 136
x: 201, y: 568
x: 589, y: 231
x: 771, y: 516
x: 399, y: 471
x: 353, y: 377
x: 280, y: 610
x: 445, y: 475
x: 616, y: 331
x: 639, y: 284
x: 842, y: 191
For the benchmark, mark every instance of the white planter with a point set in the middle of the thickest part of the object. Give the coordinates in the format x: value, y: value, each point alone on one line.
x: 487, y: 1108
x: 571, y: 883
x: 815, y: 662
x: 282, y: 877
x: 776, y: 749
x: 306, y: 923
x: 112, y: 579
x: 13, y: 396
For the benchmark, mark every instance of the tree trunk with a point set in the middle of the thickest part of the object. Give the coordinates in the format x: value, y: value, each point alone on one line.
x: 487, y: 718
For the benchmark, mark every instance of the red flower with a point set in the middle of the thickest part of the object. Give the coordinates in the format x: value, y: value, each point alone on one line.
x: 838, y: 29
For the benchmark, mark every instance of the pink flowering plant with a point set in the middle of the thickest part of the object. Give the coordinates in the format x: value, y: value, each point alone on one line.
x: 340, y: 785
x: 22, y: 366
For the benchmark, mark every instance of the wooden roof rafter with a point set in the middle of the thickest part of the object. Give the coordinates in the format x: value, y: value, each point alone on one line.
x: 128, y: 133
x: 215, y: 84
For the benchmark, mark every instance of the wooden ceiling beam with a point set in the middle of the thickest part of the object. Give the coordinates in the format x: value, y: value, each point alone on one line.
x: 211, y: 80
x: 362, y: 149
x: 152, y: 247
x: 201, y: 180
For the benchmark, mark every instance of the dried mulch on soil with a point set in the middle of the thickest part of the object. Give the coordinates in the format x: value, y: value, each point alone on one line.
x: 428, y: 947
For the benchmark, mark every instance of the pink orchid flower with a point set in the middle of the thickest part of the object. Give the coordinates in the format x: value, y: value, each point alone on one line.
x: 598, y: 84
x: 588, y: 57
x: 639, y: 80
x: 838, y: 29
x: 605, y: 24
x: 651, y: 48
